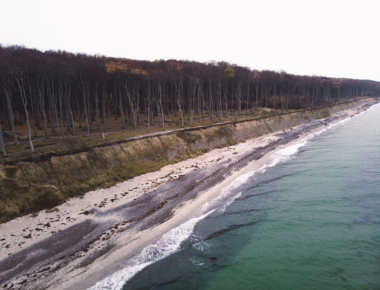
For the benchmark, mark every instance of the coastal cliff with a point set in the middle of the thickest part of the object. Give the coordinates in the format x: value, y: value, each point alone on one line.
x: 45, y: 180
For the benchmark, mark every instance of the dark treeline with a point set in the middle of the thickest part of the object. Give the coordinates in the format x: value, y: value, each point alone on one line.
x: 50, y: 90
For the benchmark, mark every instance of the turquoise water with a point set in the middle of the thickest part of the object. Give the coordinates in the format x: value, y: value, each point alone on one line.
x: 309, y: 221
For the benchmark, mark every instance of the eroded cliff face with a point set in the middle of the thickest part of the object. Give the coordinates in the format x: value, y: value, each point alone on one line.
x: 30, y: 186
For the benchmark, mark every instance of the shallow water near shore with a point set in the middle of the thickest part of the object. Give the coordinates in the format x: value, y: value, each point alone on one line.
x: 308, y: 219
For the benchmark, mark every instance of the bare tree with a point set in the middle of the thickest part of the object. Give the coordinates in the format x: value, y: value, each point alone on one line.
x: 18, y: 74
x: 179, y: 96
x: 41, y: 94
x: 6, y: 85
x: 85, y: 88
x: 132, y: 90
x: 2, y: 147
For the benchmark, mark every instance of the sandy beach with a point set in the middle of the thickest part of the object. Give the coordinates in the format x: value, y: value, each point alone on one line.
x: 85, y: 240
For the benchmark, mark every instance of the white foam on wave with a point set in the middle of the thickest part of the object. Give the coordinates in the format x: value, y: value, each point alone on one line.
x: 341, y: 122
x: 202, y: 247
x: 227, y: 195
x: 167, y: 245
x: 373, y: 107
x: 286, y: 153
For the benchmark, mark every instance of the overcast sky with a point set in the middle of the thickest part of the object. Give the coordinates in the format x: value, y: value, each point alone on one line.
x: 327, y: 38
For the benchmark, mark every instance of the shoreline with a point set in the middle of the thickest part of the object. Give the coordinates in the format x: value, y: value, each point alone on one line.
x: 109, y: 226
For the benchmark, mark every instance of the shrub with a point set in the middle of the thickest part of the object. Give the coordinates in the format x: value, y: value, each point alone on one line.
x: 52, y: 210
x: 323, y: 114
x: 189, y: 137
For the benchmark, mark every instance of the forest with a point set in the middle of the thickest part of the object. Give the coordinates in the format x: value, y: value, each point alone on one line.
x: 57, y: 93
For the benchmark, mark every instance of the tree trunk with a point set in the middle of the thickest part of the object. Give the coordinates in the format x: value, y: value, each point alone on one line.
x: 97, y: 107
x: 84, y: 86
x: 86, y: 113
x: 148, y: 100
x: 238, y: 95
x: 179, y: 100
x: 7, y: 89
x: 198, y: 102
x: 41, y: 93
x: 210, y: 110
x: 20, y: 83
x: 32, y: 108
x: 104, y: 108
x: 120, y: 106
x: 60, y: 96
x: 257, y: 94
x: 162, y: 110
x: 274, y: 96
x: 2, y: 147
x: 247, y: 97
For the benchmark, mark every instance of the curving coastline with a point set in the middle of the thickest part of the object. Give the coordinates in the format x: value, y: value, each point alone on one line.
x: 95, y: 235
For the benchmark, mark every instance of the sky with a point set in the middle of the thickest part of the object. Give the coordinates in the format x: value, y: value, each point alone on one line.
x: 325, y: 38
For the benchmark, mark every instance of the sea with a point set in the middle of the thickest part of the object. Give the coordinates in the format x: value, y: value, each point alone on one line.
x: 309, y: 218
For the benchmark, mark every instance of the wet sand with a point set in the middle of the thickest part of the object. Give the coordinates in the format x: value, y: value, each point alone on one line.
x: 88, y: 239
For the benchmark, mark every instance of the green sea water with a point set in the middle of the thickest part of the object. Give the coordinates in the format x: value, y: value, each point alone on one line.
x: 308, y: 220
